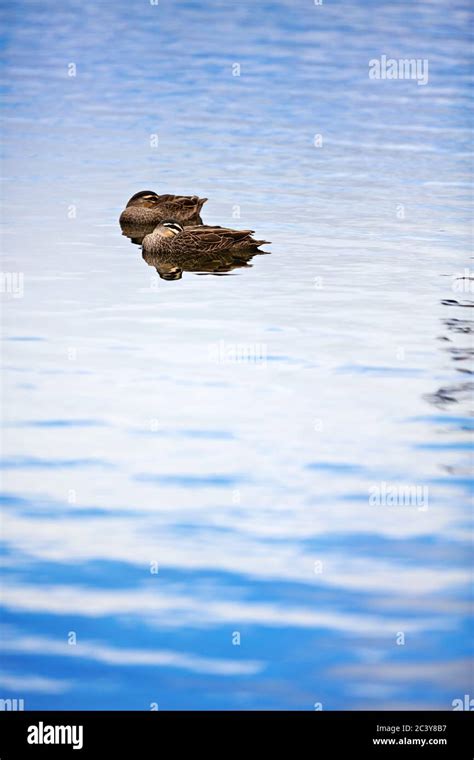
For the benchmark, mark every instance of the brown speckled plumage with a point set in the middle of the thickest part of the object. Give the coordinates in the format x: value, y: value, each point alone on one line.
x: 146, y: 208
x: 198, y: 241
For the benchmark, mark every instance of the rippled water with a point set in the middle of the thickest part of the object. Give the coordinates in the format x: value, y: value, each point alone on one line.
x: 198, y: 476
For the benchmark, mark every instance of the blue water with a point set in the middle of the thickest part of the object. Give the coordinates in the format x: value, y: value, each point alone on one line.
x: 188, y: 466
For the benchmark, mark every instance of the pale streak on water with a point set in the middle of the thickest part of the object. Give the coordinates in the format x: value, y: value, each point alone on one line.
x: 127, y: 440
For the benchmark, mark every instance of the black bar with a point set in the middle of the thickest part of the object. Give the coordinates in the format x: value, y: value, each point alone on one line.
x: 446, y: 734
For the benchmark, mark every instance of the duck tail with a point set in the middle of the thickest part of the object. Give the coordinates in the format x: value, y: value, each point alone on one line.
x: 200, y: 203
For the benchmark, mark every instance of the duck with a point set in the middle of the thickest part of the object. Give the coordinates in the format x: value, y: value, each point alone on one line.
x: 172, y: 249
x: 149, y: 208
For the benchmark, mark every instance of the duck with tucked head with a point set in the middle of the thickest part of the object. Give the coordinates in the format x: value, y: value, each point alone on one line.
x: 172, y: 249
x: 148, y: 208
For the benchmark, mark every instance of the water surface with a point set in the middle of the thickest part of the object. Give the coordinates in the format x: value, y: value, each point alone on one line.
x: 188, y: 466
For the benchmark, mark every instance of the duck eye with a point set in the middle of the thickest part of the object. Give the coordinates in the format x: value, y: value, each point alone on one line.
x: 173, y: 226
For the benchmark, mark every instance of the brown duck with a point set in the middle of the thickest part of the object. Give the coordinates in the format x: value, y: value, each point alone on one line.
x: 147, y: 208
x: 173, y: 249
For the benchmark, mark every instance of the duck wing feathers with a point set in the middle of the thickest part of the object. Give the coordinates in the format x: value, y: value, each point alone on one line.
x: 215, y: 239
x: 182, y: 203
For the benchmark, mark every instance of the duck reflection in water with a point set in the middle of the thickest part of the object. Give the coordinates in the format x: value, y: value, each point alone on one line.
x: 173, y: 249
x: 136, y: 232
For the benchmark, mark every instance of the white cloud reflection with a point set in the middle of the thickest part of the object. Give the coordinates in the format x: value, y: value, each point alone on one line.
x: 91, y: 650
x: 140, y: 541
x: 31, y: 683
x: 158, y: 608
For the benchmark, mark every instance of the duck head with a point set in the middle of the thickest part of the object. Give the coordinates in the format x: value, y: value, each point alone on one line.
x: 168, y: 228
x: 145, y: 199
